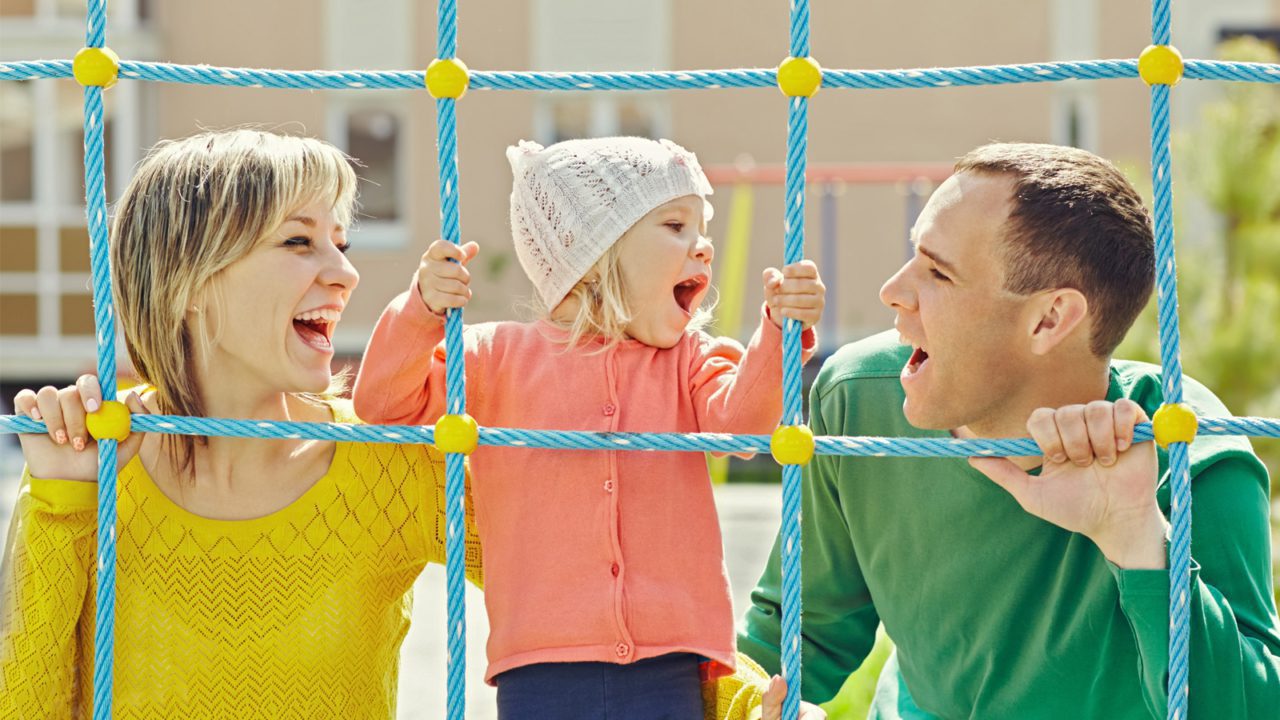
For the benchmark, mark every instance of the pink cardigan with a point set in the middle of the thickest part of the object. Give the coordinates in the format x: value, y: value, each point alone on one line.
x: 606, y: 556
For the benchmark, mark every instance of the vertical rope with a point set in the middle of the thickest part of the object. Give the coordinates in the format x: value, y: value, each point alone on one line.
x: 455, y: 385
x: 447, y: 29
x: 104, y: 325
x: 1171, y: 371
x: 792, y: 406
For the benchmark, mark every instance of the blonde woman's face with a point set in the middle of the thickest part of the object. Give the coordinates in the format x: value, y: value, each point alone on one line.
x: 273, y: 312
x: 665, y: 260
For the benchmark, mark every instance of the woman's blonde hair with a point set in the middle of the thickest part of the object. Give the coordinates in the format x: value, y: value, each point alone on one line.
x: 603, y: 312
x: 194, y: 207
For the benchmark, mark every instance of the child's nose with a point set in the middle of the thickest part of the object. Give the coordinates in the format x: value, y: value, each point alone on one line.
x: 703, y: 250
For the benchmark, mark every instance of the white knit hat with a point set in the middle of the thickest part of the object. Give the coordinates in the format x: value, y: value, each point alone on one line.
x: 570, y: 202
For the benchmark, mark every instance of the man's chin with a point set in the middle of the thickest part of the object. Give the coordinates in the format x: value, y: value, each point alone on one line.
x: 921, y: 418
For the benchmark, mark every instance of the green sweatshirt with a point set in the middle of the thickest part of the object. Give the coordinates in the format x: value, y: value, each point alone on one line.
x: 996, y: 613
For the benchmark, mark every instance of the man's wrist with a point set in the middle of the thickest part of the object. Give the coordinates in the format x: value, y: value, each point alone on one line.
x: 1137, y: 544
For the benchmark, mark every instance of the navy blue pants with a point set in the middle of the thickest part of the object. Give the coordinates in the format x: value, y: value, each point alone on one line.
x: 662, y: 688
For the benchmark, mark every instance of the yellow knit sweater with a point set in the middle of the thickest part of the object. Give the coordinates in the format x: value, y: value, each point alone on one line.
x: 298, y: 614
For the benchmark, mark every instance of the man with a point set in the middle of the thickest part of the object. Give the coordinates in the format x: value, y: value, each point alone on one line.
x: 1009, y: 594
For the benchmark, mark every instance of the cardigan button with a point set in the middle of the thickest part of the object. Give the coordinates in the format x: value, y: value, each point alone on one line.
x: 614, y: 569
x: 608, y: 486
x: 610, y: 408
x: 623, y: 649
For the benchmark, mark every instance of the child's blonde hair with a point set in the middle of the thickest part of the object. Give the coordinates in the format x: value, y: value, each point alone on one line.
x: 603, y: 312
x: 194, y: 207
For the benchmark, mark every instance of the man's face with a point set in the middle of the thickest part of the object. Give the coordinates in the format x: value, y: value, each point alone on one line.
x: 968, y: 332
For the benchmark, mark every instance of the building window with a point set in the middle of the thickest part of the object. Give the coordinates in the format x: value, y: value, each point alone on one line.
x: 599, y: 35
x: 374, y: 134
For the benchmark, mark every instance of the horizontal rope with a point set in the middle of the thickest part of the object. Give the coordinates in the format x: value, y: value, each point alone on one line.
x: 657, y: 80
x: 865, y: 446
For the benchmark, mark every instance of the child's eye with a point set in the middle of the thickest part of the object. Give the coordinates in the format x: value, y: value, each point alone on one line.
x: 344, y: 247
x: 676, y: 226
x: 939, y: 275
x: 298, y: 241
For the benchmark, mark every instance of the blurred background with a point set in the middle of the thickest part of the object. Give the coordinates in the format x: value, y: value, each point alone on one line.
x: 874, y: 158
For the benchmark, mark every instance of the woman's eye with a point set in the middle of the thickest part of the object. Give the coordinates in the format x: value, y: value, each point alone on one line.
x: 299, y: 241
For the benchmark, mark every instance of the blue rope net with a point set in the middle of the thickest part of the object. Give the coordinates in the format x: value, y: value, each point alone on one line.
x: 797, y: 133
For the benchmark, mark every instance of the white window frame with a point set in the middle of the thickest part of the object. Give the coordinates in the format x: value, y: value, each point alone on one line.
x: 371, y: 234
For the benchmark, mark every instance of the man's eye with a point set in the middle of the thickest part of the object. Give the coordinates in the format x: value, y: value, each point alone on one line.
x: 939, y: 275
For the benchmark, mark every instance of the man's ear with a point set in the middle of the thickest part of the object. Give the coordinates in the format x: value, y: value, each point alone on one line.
x: 1055, y: 316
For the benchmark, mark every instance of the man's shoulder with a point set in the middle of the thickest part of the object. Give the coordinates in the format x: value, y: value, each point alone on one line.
x: 1141, y: 382
x: 879, y: 356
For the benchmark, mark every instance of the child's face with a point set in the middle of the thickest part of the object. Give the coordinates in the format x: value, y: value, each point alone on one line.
x: 665, y: 260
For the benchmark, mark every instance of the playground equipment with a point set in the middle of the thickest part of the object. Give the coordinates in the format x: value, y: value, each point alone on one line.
x: 799, y: 77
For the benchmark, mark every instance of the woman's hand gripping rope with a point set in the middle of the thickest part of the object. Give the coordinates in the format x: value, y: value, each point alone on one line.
x: 61, y: 454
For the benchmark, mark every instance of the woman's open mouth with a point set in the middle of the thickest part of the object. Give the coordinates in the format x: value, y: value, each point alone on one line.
x: 315, y: 327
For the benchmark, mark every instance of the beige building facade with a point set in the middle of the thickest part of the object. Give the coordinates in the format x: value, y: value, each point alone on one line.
x: 45, y: 313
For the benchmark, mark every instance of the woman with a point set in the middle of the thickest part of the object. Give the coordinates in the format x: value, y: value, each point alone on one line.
x: 254, y: 578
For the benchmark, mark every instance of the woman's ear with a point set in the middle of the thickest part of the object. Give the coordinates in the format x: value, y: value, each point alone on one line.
x: 1056, y: 316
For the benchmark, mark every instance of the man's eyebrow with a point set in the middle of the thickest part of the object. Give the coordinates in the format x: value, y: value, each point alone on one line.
x: 937, y: 260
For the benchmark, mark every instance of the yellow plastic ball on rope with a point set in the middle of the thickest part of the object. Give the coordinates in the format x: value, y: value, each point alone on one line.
x: 96, y: 67
x: 1160, y: 65
x: 109, y: 422
x: 447, y: 78
x: 457, y: 434
x: 1174, y: 423
x: 799, y: 77
x: 792, y: 445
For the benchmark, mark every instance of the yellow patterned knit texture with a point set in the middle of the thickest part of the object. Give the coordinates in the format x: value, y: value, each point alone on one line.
x: 299, y: 614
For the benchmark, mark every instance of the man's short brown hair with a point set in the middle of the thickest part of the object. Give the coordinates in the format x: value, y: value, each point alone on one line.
x: 1075, y: 222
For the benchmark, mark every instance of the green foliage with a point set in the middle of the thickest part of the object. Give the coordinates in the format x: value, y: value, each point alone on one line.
x: 853, y: 702
x: 1229, y: 283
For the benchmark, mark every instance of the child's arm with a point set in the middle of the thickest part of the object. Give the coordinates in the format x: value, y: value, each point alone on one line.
x: 401, y: 379
x: 48, y: 562
x: 740, y: 391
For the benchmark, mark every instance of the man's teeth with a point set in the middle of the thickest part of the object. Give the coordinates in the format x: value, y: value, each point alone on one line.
x: 325, y: 315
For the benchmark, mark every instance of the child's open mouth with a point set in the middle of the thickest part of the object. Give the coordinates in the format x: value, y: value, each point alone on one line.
x: 315, y: 327
x: 686, y: 292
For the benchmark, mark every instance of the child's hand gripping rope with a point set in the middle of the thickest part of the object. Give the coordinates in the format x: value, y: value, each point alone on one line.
x: 796, y: 292
x: 443, y: 279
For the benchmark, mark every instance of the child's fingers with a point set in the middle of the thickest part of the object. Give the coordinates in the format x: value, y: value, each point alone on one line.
x: 449, y: 271
x: 90, y: 392
x: 802, y: 269
x: 802, y: 286
x: 51, y: 413
x: 443, y: 250
x: 772, y: 278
